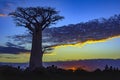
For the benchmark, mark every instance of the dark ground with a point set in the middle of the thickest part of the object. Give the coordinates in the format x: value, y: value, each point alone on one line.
x: 54, y: 73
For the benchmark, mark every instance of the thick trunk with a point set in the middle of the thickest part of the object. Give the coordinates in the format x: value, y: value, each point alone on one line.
x: 36, y: 51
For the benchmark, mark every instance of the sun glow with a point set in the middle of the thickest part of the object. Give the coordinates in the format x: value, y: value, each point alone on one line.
x: 71, y: 68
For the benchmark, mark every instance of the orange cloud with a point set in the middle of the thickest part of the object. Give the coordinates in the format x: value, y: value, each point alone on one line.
x: 3, y: 15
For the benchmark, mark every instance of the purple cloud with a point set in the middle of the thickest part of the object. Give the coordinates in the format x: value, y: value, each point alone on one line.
x: 97, y: 29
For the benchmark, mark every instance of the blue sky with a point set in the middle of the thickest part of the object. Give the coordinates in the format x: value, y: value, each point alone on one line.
x: 74, y: 11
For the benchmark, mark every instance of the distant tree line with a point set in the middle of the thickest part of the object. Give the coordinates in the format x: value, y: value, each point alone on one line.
x: 53, y: 72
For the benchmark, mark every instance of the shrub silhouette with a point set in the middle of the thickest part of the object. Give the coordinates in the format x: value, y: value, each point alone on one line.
x: 55, y: 73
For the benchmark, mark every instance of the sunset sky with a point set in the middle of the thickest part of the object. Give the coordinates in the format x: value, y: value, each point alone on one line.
x: 74, y: 11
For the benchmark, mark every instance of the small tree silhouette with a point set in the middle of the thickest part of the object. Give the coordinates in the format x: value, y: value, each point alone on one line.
x: 106, y: 67
x: 36, y: 19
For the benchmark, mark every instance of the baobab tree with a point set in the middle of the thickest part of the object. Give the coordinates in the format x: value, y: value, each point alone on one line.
x: 36, y: 19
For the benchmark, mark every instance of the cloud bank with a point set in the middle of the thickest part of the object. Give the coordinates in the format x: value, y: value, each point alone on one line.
x: 94, y: 30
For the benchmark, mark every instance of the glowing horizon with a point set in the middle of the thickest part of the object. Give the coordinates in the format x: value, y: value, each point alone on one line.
x: 90, y: 50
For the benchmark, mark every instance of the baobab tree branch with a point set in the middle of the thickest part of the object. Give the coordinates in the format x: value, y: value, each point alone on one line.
x: 29, y: 27
x: 45, y: 25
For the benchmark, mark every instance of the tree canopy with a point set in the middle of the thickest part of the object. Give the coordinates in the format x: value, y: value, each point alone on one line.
x: 35, y: 18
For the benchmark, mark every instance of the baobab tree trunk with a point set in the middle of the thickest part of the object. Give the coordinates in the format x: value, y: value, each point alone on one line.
x: 36, y: 51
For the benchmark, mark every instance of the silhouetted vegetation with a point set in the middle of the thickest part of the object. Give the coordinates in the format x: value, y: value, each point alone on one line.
x: 55, y: 73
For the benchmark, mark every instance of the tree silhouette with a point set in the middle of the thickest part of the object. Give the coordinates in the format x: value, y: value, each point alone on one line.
x: 106, y: 67
x: 36, y: 19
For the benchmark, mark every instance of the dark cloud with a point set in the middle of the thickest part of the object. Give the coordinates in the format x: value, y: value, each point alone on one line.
x: 9, y: 44
x: 97, y: 29
x: 11, y: 48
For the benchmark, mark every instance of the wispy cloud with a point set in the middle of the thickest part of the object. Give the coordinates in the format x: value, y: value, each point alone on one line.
x: 12, y: 49
x: 14, y: 58
x: 3, y: 15
x: 7, y: 6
